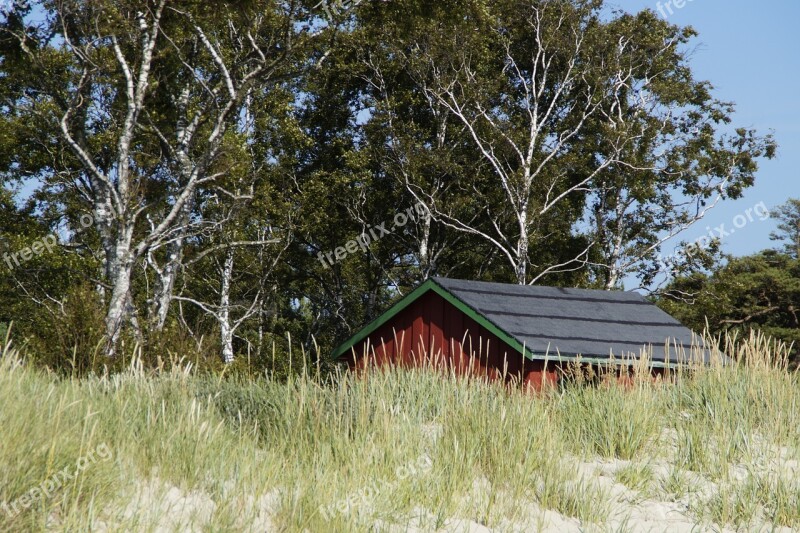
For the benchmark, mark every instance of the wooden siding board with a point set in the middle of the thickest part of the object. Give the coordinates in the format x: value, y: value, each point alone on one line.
x: 416, y: 332
x: 405, y: 334
x: 436, y: 306
x: 540, y: 374
x: 439, y: 324
x: 452, y: 334
x: 425, y: 337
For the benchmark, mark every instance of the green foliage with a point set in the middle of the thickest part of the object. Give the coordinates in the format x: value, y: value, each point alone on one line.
x: 788, y: 216
x: 71, y: 340
x: 759, y: 292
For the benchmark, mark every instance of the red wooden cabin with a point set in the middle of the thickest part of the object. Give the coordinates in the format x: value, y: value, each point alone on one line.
x: 521, y: 333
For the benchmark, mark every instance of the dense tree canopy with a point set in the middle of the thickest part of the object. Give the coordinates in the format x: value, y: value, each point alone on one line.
x: 760, y: 291
x: 788, y: 231
x: 226, y: 176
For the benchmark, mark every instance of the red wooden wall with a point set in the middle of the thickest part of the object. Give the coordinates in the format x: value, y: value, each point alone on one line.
x: 432, y: 331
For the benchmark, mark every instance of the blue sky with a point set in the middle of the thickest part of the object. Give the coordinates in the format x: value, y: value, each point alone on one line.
x: 750, y: 52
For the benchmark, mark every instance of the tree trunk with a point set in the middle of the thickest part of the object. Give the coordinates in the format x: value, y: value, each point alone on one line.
x: 162, y: 299
x: 523, y: 244
x: 424, y: 246
x: 224, y: 316
x: 119, y: 307
x: 164, y: 289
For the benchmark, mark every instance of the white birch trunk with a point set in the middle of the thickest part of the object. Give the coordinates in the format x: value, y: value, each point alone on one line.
x: 120, y: 273
x: 224, y: 314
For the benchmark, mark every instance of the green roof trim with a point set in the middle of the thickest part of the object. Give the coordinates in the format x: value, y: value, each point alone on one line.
x: 409, y: 299
x: 482, y: 320
x: 381, y: 320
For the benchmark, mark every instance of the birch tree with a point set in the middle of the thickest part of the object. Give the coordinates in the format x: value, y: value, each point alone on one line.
x: 230, y: 264
x: 143, y: 95
x: 584, y: 129
x: 239, y: 290
x: 679, y: 161
x: 415, y: 151
x: 517, y: 86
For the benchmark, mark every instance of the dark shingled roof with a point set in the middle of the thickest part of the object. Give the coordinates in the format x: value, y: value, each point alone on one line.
x: 570, y: 322
x: 556, y: 323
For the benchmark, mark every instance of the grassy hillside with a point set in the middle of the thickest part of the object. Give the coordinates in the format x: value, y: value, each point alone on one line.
x: 400, y: 450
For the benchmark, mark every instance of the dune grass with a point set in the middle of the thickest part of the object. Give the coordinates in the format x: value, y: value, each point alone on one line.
x: 406, y: 448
